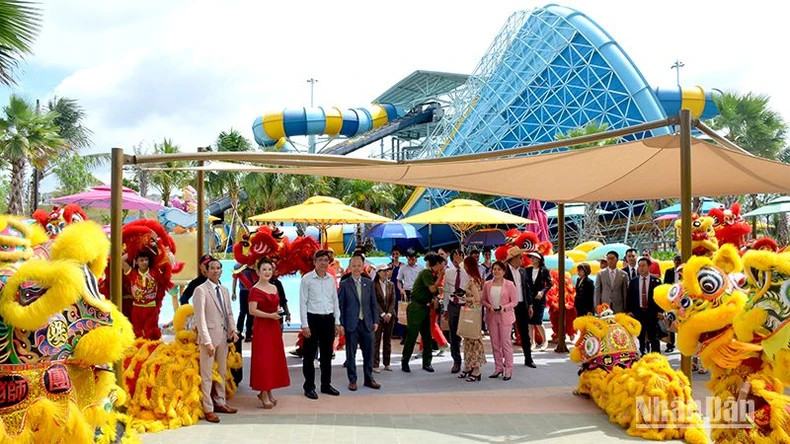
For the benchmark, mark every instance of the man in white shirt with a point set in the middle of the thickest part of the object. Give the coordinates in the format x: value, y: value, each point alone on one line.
x: 319, y: 310
x: 630, y: 263
x: 455, y: 281
x: 408, y: 273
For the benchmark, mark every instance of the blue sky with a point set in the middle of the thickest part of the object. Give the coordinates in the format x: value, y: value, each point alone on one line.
x: 145, y: 70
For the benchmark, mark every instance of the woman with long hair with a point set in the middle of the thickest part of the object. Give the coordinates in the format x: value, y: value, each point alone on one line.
x: 585, y: 291
x: 474, y: 355
x: 539, y: 279
x: 268, y: 368
x: 499, y: 300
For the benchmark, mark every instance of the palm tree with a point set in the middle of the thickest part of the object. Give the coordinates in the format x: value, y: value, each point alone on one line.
x: 221, y: 183
x: 591, y: 225
x: 20, y: 22
x: 168, y: 180
x: 27, y: 136
x: 70, y: 122
x: 750, y: 123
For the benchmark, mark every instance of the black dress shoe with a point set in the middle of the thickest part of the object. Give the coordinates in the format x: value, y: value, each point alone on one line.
x: 456, y: 368
x: 405, y: 367
x: 428, y: 368
x: 311, y: 394
x: 329, y: 390
x: 530, y: 364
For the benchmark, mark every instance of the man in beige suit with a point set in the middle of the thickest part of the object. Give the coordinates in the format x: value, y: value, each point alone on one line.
x: 215, y: 327
x: 611, y: 285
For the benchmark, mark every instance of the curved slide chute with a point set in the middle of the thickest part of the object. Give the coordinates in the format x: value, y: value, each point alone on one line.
x: 273, y: 126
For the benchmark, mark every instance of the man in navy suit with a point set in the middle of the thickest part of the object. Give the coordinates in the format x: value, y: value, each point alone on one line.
x: 640, y: 305
x: 359, y: 317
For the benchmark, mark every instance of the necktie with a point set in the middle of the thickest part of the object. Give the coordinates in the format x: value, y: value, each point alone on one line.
x: 457, y: 283
x: 222, y: 306
x: 644, y: 292
x: 359, y: 295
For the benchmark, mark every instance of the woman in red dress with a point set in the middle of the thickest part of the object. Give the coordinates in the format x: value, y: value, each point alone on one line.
x: 269, y: 369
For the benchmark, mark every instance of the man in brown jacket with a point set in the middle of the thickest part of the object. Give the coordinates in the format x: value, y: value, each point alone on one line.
x: 385, y: 298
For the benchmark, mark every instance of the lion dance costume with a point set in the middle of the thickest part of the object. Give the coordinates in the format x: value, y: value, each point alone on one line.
x: 59, y: 337
x: 621, y: 383
x: 735, y: 312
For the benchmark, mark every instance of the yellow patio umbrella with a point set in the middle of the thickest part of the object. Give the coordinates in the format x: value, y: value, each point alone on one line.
x: 322, y: 211
x: 464, y: 214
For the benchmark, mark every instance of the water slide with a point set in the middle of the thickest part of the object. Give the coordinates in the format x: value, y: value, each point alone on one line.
x: 362, y: 126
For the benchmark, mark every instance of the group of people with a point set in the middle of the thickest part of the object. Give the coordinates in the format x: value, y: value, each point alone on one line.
x: 629, y: 290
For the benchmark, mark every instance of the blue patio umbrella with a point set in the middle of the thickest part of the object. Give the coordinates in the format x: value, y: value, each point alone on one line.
x: 394, y: 230
x: 487, y: 237
x: 707, y: 205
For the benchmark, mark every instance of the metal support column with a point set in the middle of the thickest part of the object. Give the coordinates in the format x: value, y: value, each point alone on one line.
x: 561, y: 346
x: 201, y: 209
x: 685, y: 205
x: 116, y: 246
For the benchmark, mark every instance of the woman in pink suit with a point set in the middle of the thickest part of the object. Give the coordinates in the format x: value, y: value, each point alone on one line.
x: 499, y: 300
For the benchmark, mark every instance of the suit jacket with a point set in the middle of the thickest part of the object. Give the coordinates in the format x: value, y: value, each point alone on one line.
x: 614, y: 294
x: 632, y: 304
x: 385, y: 300
x: 208, y: 315
x: 541, y: 283
x: 527, y: 293
x: 631, y: 274
x: 349, y: 304
x: 585, y: 296
x: 508, y: 302
x: 669, y: 276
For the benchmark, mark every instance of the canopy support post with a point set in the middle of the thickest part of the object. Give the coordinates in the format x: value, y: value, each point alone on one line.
x: 561, y: 346
x: 201, y: 209
x: 685, y: 206
x: 116, y: 241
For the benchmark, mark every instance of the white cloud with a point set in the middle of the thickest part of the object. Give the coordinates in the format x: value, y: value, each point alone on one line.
x: 145, y: 70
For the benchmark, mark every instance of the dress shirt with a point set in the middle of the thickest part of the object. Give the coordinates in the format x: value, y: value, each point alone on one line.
x: 449, y: 283
x: 318, y: 295
x: 407, y: 274
x: 517, y: 280
x: 535, y: 272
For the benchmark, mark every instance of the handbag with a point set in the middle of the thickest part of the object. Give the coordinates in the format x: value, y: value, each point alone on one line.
x: 403, y: 307
x: 470, y: 323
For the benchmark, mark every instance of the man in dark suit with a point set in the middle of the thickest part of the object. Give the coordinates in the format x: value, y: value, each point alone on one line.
x: 359, y: 317
x: 629, y: 264
x: 516, y: 274
x: 671, y: 276
x: 640, y: 305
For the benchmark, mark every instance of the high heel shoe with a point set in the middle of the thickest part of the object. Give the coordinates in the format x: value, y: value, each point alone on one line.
x: 507, y: 377
x: 474, y: 378
x: 266, y: 405
x: 496, y: 375
x: 464, y: 374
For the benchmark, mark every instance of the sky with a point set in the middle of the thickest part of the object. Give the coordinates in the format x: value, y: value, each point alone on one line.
x: 186, y: 70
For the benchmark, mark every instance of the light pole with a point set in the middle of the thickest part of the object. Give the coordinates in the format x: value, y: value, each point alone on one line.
x: 311, y: 138
x: 677, y: 65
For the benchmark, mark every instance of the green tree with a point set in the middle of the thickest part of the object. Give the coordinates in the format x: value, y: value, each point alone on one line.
x: 227, y: 183
x: 749, y: 122
x: 27, y: 136
x: 20, y: 22
x: 5, y: 189
x: 73, y: 174
x: 167, y: 181
x: 591, y: 225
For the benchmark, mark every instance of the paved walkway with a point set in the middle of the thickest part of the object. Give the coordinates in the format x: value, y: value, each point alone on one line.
x: 535, y: 406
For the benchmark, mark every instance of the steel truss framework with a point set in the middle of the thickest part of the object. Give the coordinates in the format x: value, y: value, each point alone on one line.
x: 548, y: 71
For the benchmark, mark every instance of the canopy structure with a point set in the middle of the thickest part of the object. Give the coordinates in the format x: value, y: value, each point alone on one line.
x: 322, y: 211
x: 573, y: 210
x: 464, y: 214
x: 776, y: 206
x: 645, y: 169
x: 99, y: 197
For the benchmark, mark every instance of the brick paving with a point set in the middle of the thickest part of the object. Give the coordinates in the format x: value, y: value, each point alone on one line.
x: 419, y: 407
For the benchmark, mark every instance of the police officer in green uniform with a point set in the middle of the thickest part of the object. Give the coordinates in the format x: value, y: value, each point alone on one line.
x: 423, y: 297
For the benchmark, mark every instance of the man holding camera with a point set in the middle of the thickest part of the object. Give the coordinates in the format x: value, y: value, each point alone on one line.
x: 455, y: 280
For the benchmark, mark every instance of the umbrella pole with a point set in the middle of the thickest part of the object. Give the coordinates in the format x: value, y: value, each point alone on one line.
x: 685, y: 206
x: 561, y: 346
x: 201, y: 209
x: 116, y: 247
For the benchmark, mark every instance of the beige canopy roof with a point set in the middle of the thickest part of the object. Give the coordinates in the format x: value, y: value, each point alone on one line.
x: 642, y: 169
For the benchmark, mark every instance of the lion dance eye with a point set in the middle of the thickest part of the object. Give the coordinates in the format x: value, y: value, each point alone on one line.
x: 527, y: 245
x: 671, y: 317
x: 697, y: 224
x: 675, y: 292
x: 685, y: 302
x: 710, y: 281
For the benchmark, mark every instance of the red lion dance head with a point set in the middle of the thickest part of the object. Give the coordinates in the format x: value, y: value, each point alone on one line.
x: 729, y: 226
x: 149, y: 236
x: 527, y: 241
x: 59, y: 218
x: 270, y: 243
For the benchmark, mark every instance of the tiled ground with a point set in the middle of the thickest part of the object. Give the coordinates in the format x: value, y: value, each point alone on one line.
x: 535, y: 406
